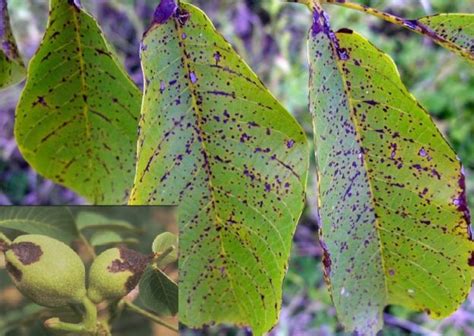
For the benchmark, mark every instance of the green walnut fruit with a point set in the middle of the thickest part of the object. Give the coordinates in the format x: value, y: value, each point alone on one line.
x: 114, y: 273
x: 45, y: 270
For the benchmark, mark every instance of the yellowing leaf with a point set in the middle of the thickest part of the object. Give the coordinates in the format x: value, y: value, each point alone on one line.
x: 214, y: 141
x: 452, y: 31
x: 395, y: 224
x: 77, y: 118
x: 12, y: 69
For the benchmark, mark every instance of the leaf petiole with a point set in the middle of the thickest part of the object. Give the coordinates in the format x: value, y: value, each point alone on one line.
x: 160, y: 256
x: 90, y: 314
x: 56, y: 324
x: 88, y: 325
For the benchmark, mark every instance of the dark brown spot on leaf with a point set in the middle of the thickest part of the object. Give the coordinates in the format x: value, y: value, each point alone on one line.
x: 470, y: 261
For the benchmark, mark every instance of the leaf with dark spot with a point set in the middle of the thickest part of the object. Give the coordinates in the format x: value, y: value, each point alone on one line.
x: 77, y: 118
x: 12, y: 69
x: 452, y: 31
x: 219, y: 145
x: 391, y: 192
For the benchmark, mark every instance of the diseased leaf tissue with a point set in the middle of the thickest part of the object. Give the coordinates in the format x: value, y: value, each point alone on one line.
x: 213, y: 140
x: 216, y: 142
x: 12, y: 69
x: 395, y: 224
x: 77, y: 118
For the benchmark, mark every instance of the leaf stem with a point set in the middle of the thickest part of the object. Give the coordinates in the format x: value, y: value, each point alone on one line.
x: 90, y: 315
x: 88, y: 246
x: 412, y: 25
x: 87, y: 326
x: 150, y: 316
x: 160, y: 256
x: 56, y: 324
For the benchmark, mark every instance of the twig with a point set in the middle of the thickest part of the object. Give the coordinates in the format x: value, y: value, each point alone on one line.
x: 408, y: 325
x: 150, y: 316
x: 88, y: 246
x: 412, y: 25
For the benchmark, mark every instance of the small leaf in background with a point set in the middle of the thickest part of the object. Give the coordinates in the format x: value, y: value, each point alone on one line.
x: 391, y: 190
x: 158, y: 292
x: 452, y: 31
x: 163, y: 242
x: 18, y: 317
x: 92, y: 220
x: 76, y: 121
x: 214, y: 141
x: 107, y: 237
x: 54, y: 221
x: 12, y: 69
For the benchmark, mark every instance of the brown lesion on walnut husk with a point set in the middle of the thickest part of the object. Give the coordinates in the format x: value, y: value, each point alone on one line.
x: 130, y: 260
x: 27, y: 252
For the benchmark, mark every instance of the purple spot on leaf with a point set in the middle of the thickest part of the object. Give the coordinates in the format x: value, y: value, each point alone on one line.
x: 393, y: 146
x: 192, y: 77
x: 436, y: 174
x: 461, y: 202
x: 217, y: 57
x: 470, y: 261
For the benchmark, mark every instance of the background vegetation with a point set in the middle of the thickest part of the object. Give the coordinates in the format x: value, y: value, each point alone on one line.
x: 271, y: 37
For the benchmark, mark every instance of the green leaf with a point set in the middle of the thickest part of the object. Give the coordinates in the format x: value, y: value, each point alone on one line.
x: 12, y: 69
x: 92, y: 220
x: 56, y: 222
x: 158, y: 292
x: 19, y: 317
x: 452, y: 31
x: 107, y: 237
x: 163, y: 242
x: 391, y: 190
x: 217, y: 143
x: 77, y: 118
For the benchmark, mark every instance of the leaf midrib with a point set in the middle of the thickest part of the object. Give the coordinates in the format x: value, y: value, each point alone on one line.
x: 85, y: 108
x: 350, y: 104
x: 195, y: 108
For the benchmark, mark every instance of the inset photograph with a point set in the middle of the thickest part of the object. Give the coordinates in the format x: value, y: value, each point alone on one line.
x: 88, y: 270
